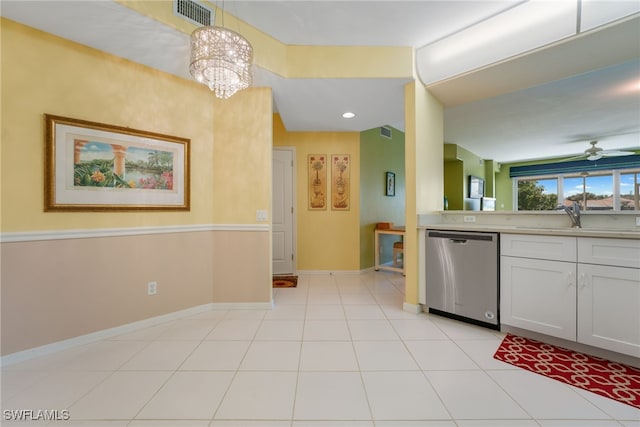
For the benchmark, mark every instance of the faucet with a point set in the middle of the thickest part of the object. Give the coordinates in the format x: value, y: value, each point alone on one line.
x: 574, y: 214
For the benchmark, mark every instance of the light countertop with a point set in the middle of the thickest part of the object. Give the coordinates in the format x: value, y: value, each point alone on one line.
x: 526, y: 229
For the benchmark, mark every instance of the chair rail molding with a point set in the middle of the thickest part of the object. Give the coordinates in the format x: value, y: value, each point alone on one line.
x: 31, y: 236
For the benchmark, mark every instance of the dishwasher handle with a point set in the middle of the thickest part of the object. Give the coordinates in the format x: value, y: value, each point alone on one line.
x: 458, y: 241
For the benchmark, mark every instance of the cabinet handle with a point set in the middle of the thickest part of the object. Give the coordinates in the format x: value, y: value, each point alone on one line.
x: 583, y: 281
x: 570, y: 281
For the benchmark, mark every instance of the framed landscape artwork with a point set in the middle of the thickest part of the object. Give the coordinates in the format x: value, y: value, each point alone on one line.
x: 92, y: 166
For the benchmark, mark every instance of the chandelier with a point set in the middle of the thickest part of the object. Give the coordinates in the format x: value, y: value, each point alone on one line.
x: 221, y: 59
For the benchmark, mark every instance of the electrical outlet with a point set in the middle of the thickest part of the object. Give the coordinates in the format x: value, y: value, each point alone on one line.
x: 469, y: 218
x: 152, y: 288
x: 638, y: 221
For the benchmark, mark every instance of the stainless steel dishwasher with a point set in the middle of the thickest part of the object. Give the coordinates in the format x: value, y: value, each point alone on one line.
x: 462, y: 276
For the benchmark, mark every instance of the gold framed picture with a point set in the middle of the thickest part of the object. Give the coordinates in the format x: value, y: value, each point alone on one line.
x: 340, y: 182
x: 317, y: 173
x: 93, y: 166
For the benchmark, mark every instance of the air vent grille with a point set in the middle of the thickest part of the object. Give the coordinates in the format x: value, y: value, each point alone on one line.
x: 193, y: 12
x: 385, y: 131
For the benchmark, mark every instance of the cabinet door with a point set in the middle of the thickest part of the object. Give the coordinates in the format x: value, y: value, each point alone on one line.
x: 539, y: 295
x: 609, y: 308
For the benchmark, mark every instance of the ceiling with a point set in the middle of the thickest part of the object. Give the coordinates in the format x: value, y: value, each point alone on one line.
x: 549, y: 103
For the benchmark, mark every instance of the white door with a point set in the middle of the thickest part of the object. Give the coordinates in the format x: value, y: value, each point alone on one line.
x: 282, y: 212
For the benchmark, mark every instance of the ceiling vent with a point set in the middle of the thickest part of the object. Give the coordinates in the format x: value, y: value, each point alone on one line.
x: 385, y: 131
x: 193, y: 12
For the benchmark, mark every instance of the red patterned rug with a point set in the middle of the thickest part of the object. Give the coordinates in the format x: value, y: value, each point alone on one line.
x: 285, y: 281
x: 609, y: 379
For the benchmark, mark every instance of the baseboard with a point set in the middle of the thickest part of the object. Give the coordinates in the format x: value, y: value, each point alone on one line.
x: 22, y: 356
x: 327, y: 272
x: 242, y: 305
x: 338, y: 272
x: 412, y: 308
x: 32, y: 353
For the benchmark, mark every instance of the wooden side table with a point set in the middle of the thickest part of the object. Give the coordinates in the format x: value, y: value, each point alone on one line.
x: 398, y: 231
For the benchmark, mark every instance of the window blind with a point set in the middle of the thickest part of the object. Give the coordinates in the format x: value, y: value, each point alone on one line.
x: 605, y: 163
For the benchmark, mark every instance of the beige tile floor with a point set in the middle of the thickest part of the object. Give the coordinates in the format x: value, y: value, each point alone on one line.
x: 337, y: 351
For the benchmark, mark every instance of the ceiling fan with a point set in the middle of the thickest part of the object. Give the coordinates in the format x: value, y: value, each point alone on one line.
x: 596, y: 153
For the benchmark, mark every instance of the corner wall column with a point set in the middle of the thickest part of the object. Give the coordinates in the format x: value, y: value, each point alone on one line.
x: 424, y: 159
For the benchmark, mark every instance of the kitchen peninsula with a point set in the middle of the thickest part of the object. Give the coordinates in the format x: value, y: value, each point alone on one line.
x: 574, y: 287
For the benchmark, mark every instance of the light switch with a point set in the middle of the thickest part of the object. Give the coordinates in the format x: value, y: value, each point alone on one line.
x: 261, y: 215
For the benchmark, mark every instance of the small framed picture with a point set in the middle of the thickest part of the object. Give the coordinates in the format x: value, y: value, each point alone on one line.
x: 476, y: 187
x: 391, y: 184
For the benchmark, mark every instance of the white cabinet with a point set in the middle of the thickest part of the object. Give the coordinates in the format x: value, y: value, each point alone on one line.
x: 592, y: 296
x: 537, y: 293
x: 609, y: 295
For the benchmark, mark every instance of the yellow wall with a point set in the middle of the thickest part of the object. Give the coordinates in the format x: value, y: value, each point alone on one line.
x: 83, y: 83
x: 45, y: 74
x: 242, y: 156
x: 326, y: 240
x: 349, y: 61
x: 424, y: 152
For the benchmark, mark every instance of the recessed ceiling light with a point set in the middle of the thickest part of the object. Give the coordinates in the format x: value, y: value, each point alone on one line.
x: 348, y: 115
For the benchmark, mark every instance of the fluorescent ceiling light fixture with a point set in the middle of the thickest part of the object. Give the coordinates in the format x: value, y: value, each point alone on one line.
x: 348, y: 115
x: 520, y: 29
x: 597, y: 12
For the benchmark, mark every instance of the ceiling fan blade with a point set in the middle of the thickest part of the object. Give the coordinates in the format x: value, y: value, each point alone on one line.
x: 569, y: 159
x: 616, y: 153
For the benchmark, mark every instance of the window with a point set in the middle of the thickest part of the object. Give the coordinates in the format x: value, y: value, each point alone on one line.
x: 597, y: 190
x: 592, y: 192
x: 629, y: 190
x: 537, y: 194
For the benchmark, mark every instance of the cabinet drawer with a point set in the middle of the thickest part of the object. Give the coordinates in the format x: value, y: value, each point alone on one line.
x: 615, y: 252
x: 557, y: 248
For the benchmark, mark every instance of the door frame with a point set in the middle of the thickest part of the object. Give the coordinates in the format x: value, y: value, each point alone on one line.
x: 294, y: 202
